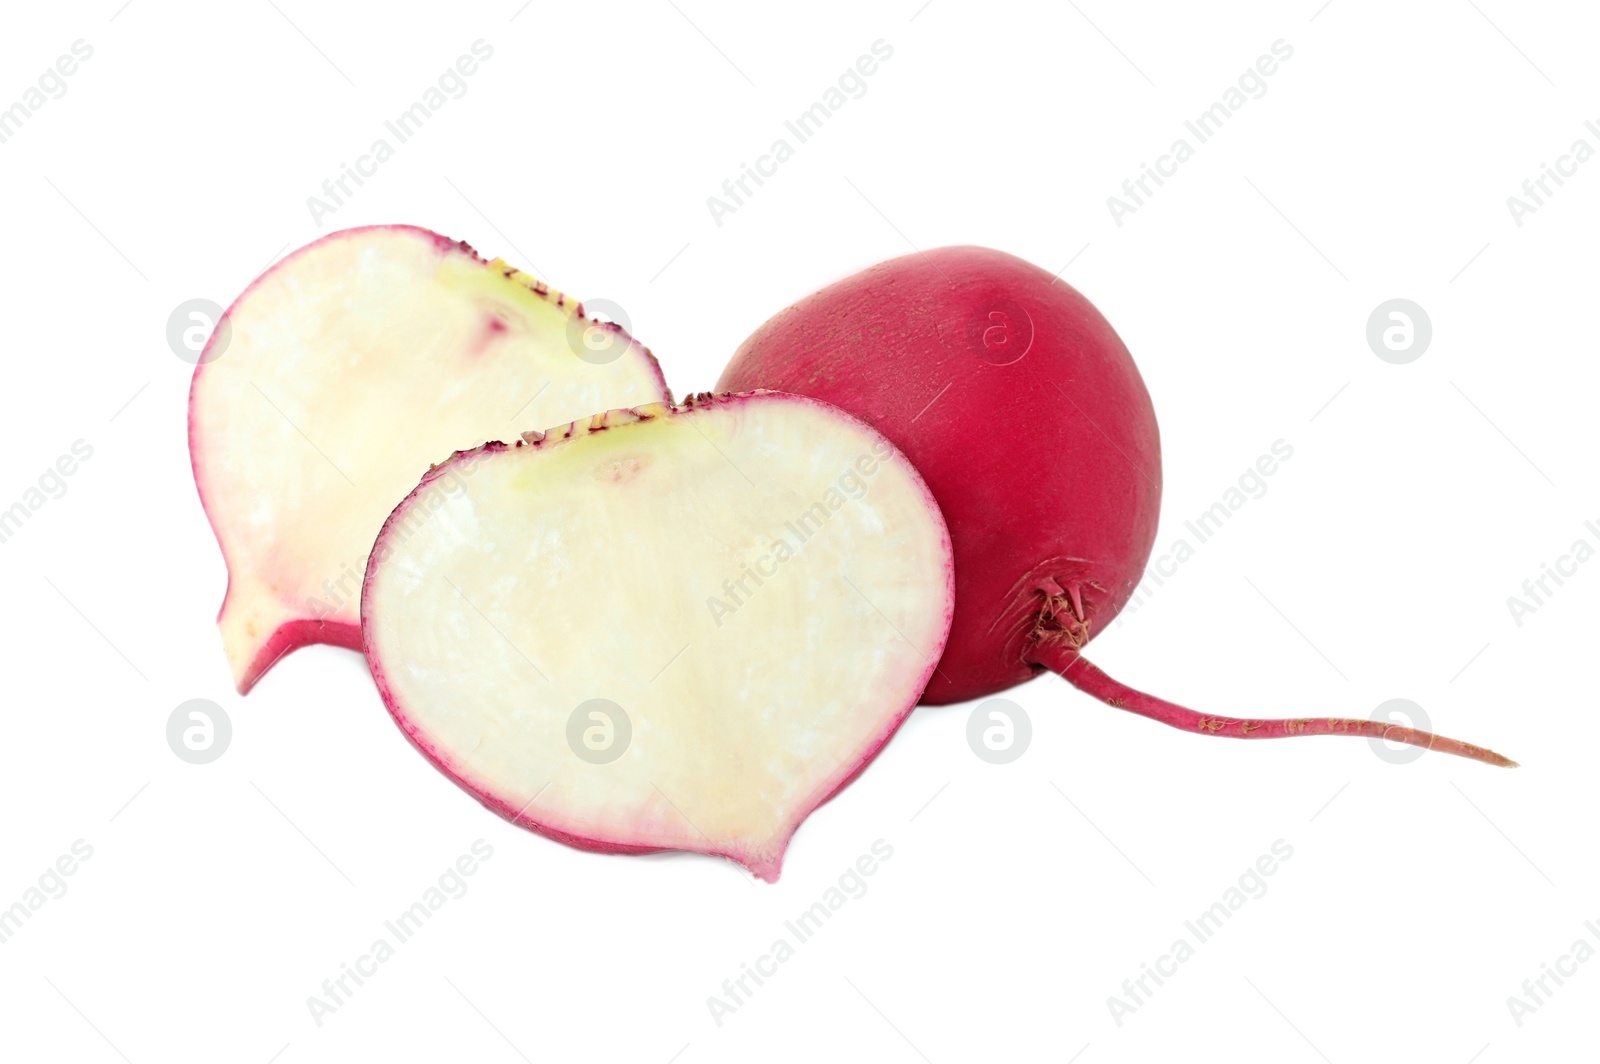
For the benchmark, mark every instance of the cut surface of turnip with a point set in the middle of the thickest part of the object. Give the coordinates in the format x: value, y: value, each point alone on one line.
x: 663, y: 627
x: 341, y: 374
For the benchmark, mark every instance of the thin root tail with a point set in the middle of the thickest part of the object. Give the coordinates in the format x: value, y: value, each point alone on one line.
x: 1081, y: 673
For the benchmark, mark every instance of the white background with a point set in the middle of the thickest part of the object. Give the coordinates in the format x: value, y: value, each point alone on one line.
x: 1377, y: 566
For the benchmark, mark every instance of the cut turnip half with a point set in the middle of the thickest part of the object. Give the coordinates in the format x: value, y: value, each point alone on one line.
x: 344, y: 371
x: 663, y: 628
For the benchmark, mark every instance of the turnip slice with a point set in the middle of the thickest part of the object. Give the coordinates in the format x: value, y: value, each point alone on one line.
x: 340, y: 374
x: 663, y: 628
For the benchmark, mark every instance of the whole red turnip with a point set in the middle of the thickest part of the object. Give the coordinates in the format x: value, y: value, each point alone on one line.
x: 1029, y: 421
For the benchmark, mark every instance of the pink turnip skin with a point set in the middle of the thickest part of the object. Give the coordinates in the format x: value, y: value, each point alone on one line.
x: 1028, y: 419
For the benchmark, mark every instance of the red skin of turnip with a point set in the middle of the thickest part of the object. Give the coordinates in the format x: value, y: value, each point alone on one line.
x: 1025, y: 414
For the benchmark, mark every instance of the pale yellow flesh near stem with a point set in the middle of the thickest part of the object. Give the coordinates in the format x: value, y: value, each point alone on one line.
x: 536, y: 579
x: 351, y: 368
